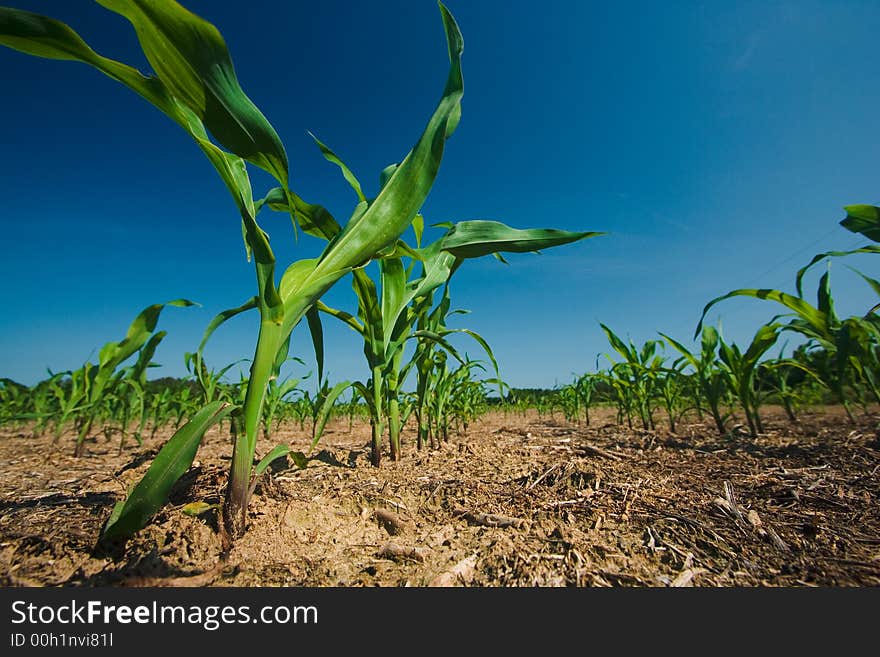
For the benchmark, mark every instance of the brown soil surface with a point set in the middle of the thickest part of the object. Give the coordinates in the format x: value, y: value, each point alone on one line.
x: 584, y: 506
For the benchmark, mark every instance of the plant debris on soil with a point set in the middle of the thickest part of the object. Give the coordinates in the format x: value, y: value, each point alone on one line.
x: 519, y: 500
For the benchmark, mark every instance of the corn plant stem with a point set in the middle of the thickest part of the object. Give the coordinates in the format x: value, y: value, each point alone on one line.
x: 422, y: 415
x: 393, y: 416
x: 83, y: 432
x: 376, y: 419
x: 394, y: 427
x: 237, y: 492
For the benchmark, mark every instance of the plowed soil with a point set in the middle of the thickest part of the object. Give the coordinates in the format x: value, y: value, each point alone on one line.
x: 516, y: 501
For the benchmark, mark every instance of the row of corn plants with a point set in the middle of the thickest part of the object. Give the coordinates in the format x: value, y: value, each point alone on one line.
x: 837, y: 359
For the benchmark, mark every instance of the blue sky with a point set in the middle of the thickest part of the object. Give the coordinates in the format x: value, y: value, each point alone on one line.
x: 715, y: 142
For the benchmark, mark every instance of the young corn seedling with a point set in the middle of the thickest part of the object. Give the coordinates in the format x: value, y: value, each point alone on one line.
x: 636, y: 377
x: 193, y: 82
x: 389, y: 309
x: 712, y: 381
x: 670, y: 386
x: 431, y: 334
x: 836, y: 346
x: 743, y: 368
x: 584, y: 388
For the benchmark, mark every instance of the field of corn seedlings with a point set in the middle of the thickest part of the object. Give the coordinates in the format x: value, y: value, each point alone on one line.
x: 664, y: 464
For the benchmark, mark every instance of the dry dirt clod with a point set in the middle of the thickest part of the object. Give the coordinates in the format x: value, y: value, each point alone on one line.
x: 397, y: 552
x: 391, y: 522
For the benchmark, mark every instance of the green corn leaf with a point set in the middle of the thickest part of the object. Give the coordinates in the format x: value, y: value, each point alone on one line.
x: 825, y: 302
x: 619, y: 345
x: 223, y: 317
x: 864, y: 219
x: 393, y: 277
x: 281, y: 357
x: 386, y: 173
x: 418, y: 225
x: 483, y: 343
x: 812, y: 316
x: 799, y: 279
x: 139, y: 332
x: 684, y: 351
x: 473, y: 239
x: 709, y: 340
x: 330, y: 156
x: 370, y: 315
x: 139, y: 369
x: 873, y: 282
x: 764, y: 339
x: 326, y: 407
x: 172, y: 461
x: 276, y: 453
x: 438, y: 338
x: 190, y: 57
x: 45, y: 37
x: 316, y: 330
x: 345, y: 317
x: 400, y: 199
x: 314, y: 220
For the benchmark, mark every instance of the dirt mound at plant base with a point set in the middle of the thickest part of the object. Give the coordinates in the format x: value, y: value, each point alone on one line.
x: 519, y: 501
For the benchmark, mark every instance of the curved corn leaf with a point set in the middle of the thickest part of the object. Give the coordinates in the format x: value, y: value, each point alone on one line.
x: 221, y: 318
x: 799, y: 279
x: 330, y: 156
x: 46, y: 37
x: 190, y: 57
x: 277, y: 452
x: 139, y: 369
x: 316, y: 329
x: 314, y: 220
x: 873, y: 282
x: 765, y: 337
x: 346, y: 318
x: 628, y: 352
x: 397, y: 204
x: 472, y: 239
x: 684, y: 351
x: 113, y: 354
x: 172, y: 461
x: 329, y: 399
x: 864, y: 219
x: 812, y: 316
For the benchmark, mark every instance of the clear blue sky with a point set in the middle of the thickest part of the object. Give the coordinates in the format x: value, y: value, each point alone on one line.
x: 715, y: 142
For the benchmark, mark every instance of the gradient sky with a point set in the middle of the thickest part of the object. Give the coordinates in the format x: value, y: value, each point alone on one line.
x: 715, y: 142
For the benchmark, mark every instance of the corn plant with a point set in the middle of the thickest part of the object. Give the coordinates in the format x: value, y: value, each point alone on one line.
x: 585, y: 388
x: 838, y: 345
x: 431, y: 333
x: 569, y: 403
x: 742, y: 369
x: 15, y: 401
x: 635, y: 379
x: 194, y: 83
x: 278, y: 394
x: 388, y: 312
x: 669, y: 382
x: 860, y: 219
x: 712, y: 381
